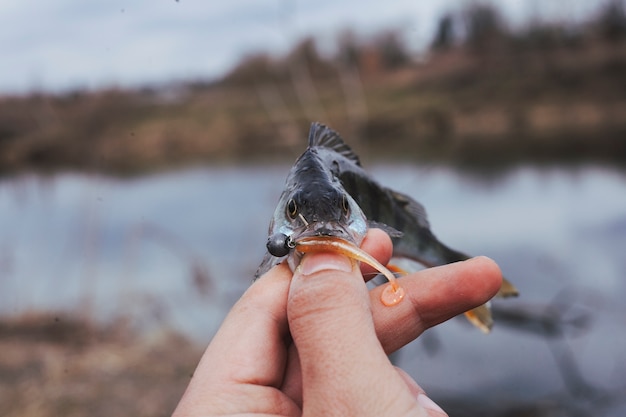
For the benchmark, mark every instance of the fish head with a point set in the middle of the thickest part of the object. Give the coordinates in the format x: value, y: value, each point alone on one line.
x: 314, y: 203
x: 325, y: 211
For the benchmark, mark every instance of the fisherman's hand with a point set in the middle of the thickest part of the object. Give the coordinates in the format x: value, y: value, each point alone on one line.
x: 316, y: 343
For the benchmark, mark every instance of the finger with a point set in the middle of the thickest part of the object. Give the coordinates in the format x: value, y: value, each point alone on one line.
x: 378, y: 244
x: 248, y: 348
x: 433, y: 296
x: 256, y: 324
x: 292, y: 381
x: 341, y: 359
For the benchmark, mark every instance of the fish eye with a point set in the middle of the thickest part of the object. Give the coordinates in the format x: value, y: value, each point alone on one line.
x: 344, y: 205
x: 292, y: 209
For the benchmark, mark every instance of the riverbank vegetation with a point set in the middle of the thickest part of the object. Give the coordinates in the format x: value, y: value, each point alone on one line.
x: 483, y: 93
x: 59, y: 365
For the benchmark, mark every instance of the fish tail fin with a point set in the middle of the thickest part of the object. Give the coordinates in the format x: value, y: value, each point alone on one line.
x: 507, y: 289
x: 481, y: 317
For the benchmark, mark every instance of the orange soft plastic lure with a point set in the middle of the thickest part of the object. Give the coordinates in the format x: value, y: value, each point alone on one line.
x: 392, y: 294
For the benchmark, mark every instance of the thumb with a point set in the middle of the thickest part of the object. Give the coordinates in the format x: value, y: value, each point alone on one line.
x: 342, y: 360
x: 327, y: 296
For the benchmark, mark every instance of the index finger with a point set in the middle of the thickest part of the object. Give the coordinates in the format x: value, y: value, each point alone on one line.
x: 249, y: 349
x: 433, y: 296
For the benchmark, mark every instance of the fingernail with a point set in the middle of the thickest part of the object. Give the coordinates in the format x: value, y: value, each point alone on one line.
x: 315, y: 262
x: 429, y: 404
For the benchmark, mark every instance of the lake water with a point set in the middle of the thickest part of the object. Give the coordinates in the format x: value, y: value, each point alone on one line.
x: 177, y: 249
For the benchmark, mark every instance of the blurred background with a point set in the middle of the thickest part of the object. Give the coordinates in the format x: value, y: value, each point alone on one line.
x: 143, y: 147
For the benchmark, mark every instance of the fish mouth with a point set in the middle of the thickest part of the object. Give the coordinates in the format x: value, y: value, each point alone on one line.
x: 326, y: 229
x: 319, y: 229
x: 324, y: 239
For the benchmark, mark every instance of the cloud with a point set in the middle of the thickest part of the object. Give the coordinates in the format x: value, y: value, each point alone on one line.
x: 64, y: 44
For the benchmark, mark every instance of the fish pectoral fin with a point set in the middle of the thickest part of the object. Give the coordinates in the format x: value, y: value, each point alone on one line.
x: 391, y: 231
x: 480, y: 317
x: 507, y: 289
x: 268, y: 263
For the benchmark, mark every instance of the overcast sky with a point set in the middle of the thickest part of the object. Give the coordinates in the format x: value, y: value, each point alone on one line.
x: 56, y: 45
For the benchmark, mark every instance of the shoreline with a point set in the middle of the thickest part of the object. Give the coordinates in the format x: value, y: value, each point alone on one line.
x: 459, y: 107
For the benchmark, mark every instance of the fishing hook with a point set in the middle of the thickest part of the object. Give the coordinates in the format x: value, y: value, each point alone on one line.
x: 303, y: 219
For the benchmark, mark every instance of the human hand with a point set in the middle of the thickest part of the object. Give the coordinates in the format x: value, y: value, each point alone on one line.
x: 315, y: 342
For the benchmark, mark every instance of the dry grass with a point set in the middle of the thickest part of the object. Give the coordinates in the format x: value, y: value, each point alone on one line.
x: 515, y: 105
x: 59, y: 366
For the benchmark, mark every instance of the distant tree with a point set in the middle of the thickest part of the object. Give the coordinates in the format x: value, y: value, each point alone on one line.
x: 251, y: 69
x: 305, y: 53
x: 444, y: 36
x: 545, y: 36
x: 612, y: 21
x: 391, y: 49
x: 348, y: 48
x: 484, y: 26
x: 305, y: 50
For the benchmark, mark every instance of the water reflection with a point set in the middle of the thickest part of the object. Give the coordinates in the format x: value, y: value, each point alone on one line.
x: 177, y: 249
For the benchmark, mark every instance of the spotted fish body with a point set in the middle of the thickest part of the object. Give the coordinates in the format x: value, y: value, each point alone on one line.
x: 328, y: 193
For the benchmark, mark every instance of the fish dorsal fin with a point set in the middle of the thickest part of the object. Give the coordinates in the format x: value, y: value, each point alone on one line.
x: 323, y: 136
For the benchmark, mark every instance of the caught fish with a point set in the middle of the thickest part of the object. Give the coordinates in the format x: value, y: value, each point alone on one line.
x: 328, y: 197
